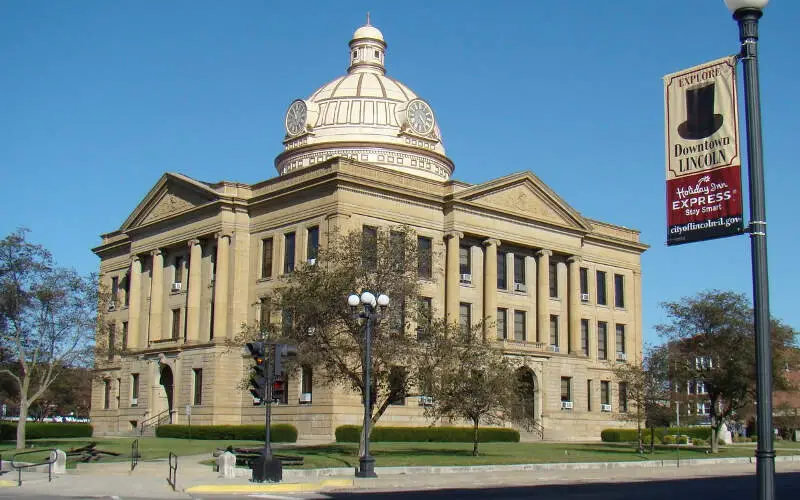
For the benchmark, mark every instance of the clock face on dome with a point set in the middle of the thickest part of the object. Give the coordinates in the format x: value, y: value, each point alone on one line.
x: 419, y: 116
x: 296, y: 117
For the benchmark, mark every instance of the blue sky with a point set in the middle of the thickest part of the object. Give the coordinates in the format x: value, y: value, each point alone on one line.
x: 98, y: 99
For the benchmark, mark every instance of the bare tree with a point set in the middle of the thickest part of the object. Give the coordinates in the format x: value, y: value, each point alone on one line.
x: 47, y: 319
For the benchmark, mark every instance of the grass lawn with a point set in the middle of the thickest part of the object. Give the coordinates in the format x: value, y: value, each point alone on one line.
x: 393, y: 454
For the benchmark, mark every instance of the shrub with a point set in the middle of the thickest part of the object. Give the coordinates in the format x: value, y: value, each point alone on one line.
x: 619, y: 435
x: 700, y: 442
x: 683, y: 439
x: 40, y: 430
x: 668, y: 439
x: 279, y: 433
x: 628, y: 435
x: 352, y: 434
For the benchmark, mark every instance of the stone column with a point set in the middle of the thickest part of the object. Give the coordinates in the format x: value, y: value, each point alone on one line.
x: 452, y: 282
x: 135, y: 304
x: 221, y: 286
x: 490, y: 288
x: 156, y: 296
x: 543, y: 296
x: 574, y: 304
x: 194, y: 291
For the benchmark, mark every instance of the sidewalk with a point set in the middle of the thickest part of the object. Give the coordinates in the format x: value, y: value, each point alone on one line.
x: 195, y: 479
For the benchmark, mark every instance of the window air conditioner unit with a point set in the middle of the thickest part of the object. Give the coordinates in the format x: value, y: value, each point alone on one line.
x: 466, y: 278
x: 584, y: 297
x: 520, y: 287
x: 176, y: 287
x: 305, y: 398
x: 256, y: 401
x: 425, y: 401
x: 112, y: 307
x: 621, y: 356
x: 566, y: 405
x: 554, y: 348
x: 134, y: 401
x: 311, y: 262
x: 606, y: 408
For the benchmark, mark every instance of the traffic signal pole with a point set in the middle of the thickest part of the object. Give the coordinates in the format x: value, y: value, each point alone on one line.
x: 268, y: 402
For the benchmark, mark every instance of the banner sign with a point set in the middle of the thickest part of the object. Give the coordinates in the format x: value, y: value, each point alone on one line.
x: 704, y: 184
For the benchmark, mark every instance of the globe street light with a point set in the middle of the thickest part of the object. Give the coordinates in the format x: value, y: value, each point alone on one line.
x: 747, y: 14
x: 366, y: 464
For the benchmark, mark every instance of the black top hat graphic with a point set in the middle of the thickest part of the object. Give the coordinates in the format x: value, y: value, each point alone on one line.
x: 701, y: 121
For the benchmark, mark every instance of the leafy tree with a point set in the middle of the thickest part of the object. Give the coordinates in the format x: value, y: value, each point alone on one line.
x: 47, y: 320
x: 311, y: 303
x: 648, y: 391
x: 711, y: 339
x: 473, y: 382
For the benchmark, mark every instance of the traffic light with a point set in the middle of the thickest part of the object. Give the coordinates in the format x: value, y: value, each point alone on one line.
x: 282, y: 352
x: 279, y: 391
x: 258, y: 375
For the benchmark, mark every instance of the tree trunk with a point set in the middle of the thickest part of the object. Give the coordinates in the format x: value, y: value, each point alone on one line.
x: 639, y: 447
x: 714, y: 442
x: 652, y: 439
x: 475, y: 439
x: 23, y: 418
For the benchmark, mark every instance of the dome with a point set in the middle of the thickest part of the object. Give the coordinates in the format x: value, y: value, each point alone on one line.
x: 366, y: 116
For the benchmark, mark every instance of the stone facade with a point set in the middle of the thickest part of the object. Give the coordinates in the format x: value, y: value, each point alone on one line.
x: 187, y: 269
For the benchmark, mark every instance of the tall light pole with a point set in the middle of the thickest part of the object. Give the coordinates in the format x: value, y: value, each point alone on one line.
x: 366, y: 464
x: 747, y: 14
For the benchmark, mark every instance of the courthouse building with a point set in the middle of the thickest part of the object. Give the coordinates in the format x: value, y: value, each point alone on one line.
x: 193, y: 260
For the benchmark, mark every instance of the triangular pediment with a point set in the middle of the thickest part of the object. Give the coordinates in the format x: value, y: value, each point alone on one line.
x: 524, y: 195
x: 172, y: 195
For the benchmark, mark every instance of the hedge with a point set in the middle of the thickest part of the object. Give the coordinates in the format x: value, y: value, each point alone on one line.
x: 628, y: 435
x: 352, y: 434
x: 40, y: 430
x: 279, y: 433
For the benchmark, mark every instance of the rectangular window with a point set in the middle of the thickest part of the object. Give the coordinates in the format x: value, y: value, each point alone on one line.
x: 106, y: 394
x: 601, y: 288
x: 397, y: 385
x: 213, y: 262
x: 134, y: 389
x: 287, y: 320
x: 114, y: 290
x: 126, y: 287
x: 178, y: 269
x: 619, y: 291
x: 312, y: 244
x: 112, y: 339
x: 519, y: 325
x: 288, y: 256
x: 584, y: 279
x: 553, y: 280
x: 211, y: 320
x: 198, y: 386
x: 502, y: 275
x: 588, y: 395
x: 176, y: 324
x: 566, y: 394
x: 369, y: 247
x: 266, y: 258
x: 519, y: 269
x: 585, y: 337
x: 465, y: 318
x: 397, y: 317
x: 424, y: 257
x: 424, y: 317
x: 623, y: 397
x: 602, y: 339
x: 263, y: 312
x: 306, y: 385
x: 620, y: 338
x: 605, y: 392
x: 554, y: 330
x: 464, y: 264
x: 502, y: 328
x: 124, y: 335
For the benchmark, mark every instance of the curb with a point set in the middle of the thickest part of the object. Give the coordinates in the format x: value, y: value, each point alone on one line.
x: 273, y: 488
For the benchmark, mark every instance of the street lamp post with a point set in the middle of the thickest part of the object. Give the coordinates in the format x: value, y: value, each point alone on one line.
x: 747, y: 14
x: 366, y: 464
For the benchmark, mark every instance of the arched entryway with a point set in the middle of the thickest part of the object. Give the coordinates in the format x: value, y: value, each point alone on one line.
x: 526, y: 409
x: 167, y: 382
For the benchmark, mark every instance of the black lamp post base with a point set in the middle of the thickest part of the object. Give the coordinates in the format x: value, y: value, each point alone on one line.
x: 366, y: 467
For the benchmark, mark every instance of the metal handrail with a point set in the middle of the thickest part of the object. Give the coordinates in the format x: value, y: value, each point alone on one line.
x: 153, y: 421
x: 53, y: 456
x: 173, y: 470
x: 134, y: 454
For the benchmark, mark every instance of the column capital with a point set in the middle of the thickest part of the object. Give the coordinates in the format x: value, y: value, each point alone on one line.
x: 491, y: 242
x: 331, y: 215
x: 575, y: 259
x: 223, y: 234
x: 453, y: 234
x: 544, y: 253
x: 156, y: 252
x: 135, y: 258
x: 193, y: 242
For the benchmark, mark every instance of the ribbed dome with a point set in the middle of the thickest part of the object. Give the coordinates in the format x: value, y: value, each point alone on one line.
x: 367, y: 116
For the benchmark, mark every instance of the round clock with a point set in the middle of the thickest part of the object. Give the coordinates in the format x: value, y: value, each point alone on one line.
x: 419, y: 116
x: 296, y: 117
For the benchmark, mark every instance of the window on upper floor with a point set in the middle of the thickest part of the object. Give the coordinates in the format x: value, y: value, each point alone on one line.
x: 465, y: 318
x: 602, y: 340
x: 178, y: 269
x: 502, y: 274
x: 584, y: 282
x: 605, y: 392
x: 566, y: 388
x: 464, y: 261
x: 519, y: 269
x: 519, y: 326
x: 312, y: 244
x: 585, y: 337
x: 601, y: 288
x: 424, y: 318
x: 553, y: 272
x: 502, y: 327
x: 619, y: 291
x: 424, y: 257
x: 623, y: 397
x: 554, y: 330
x: 288, y: 255
x: 266, y: 258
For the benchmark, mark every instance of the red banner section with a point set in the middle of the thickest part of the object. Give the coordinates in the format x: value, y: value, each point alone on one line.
x: 704, y: 206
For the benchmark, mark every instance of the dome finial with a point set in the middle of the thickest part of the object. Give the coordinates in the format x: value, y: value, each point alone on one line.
x: 367, y: 49
x: 368, y: 19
